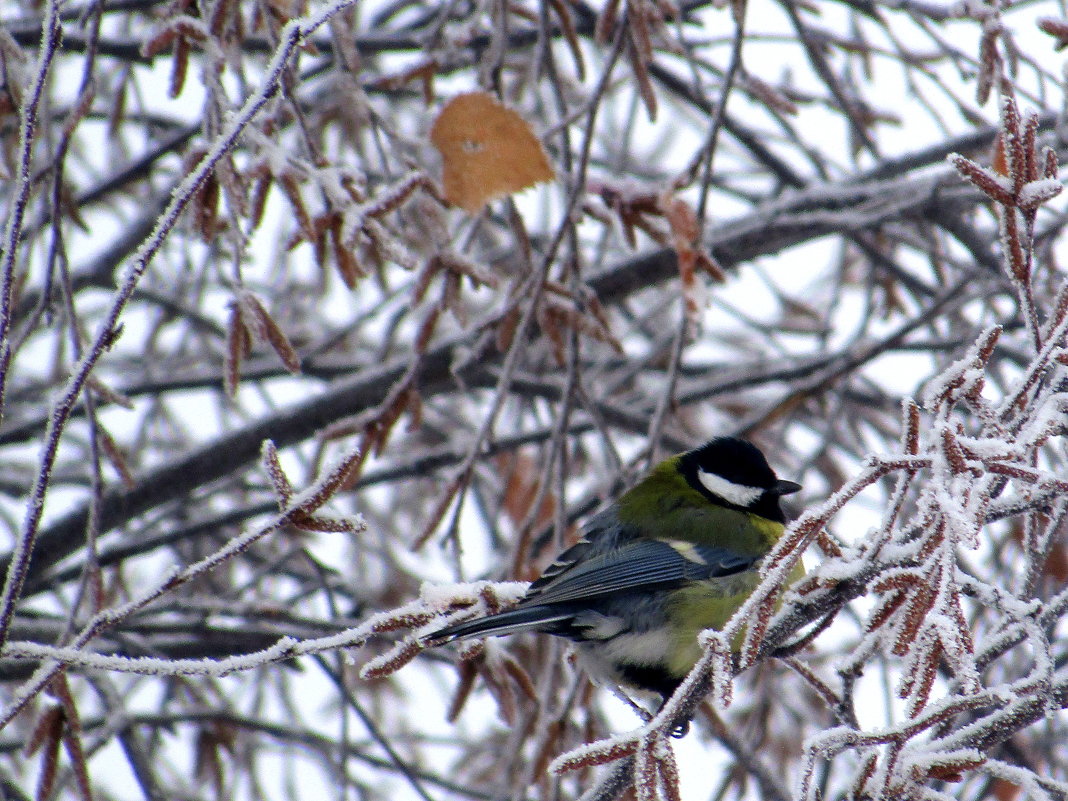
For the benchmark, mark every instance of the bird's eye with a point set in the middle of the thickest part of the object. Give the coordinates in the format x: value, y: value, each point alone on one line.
x: 738, y: 494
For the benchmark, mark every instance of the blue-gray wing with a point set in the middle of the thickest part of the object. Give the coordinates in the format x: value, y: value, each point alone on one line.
x: 638, y: 565
x: 578, y: 577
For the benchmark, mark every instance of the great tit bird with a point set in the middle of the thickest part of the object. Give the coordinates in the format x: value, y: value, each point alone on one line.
x: 677, y: 553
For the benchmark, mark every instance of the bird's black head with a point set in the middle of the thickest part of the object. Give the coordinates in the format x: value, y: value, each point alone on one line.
x: 734, y: 473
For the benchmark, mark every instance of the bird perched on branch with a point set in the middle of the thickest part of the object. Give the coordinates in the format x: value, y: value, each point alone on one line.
x: 677, y: 553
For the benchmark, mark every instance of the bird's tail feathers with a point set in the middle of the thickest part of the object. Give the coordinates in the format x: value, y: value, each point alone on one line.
x: 530, y: 618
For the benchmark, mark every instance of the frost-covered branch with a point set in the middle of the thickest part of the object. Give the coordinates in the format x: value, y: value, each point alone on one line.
x: 236, y: 228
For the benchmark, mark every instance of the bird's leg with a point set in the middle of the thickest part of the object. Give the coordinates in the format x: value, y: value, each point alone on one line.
x: 639, y: 710
x: 679, y: 727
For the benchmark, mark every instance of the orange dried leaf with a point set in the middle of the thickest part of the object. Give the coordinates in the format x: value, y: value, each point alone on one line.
x: 669, y: 774
x: 567, y: 28
x: 348, y: 266
x: 882, y: 613
x: 865, y: 773
x: 46, y: 731
x: 685, y: 230
x: 450, y: 297
x: 770, y: 96
x: 423, y: 71
x: 550, y: 745
x: 582, y: 322
x: 1014, y: 142
x: 1030, y: 132
x: 468, y: 673
x: 438, y: 513
x: 272, y: 465
x: 81, y: 108
x: 180, y: 64
x: 640, y: 69
x: 234, y: 186
x: 476, y: 273
x: 548, y: 324
x: 521, y: 490
x: 598, y: 753
x: 221, y: 15
x: 1005, y: 790
x: 606, y: 22
x: 426, y: 330
x: 109, y: 394
x: 982, y: 179
x: 430, y: 269
x: 487, y: 151
x: 238, y: 347
x: 206, y: 208
x: 954, y: 453
x: 415, y: 412
x: 116, y: 456
x: 640, y: 36
x: 267, y: 330
x: 291, y: 187
x: 951, y: 770
x: 1057, y: 564
x: 392, y: 661
x: 919, y: 605
x: 912, y: 427
x: 1050, y: 166
x: 328, y: 525
x: 521, y: 678
x: 706, y: 262
x: 258, y: 202
x: 503, y: 694
x: 645, y: 776
x: 999, y: 161
x: 72, y: 742
x: 340, y: 477
x: 989, y: 61
x: 506, y: 328
x: 207, y: 764
x: 827, y: 545
x: 159, y: 42
x: 922, y: 681
x: 47, y: 737
x: 1057, y: 28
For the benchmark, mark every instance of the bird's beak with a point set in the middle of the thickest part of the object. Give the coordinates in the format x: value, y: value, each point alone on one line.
x: 786, y: 488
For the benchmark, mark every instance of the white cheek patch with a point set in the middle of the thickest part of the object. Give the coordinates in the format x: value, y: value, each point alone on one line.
x: 738, y: 494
